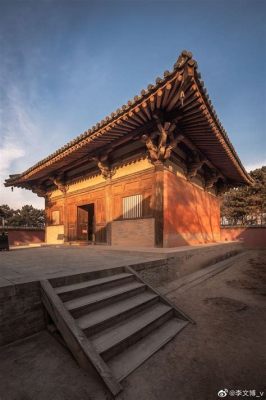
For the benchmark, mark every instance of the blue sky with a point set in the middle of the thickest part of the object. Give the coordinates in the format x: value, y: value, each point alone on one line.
x: 64, y: 65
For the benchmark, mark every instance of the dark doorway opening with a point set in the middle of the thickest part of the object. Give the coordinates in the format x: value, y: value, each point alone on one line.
x: 85, y: 222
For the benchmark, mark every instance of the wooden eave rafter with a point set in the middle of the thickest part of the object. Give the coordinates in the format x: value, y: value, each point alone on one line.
x: 180, y: 91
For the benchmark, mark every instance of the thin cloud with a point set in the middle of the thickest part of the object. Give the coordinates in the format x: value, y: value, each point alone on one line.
x: 252, y: 166
x: 19, y: 141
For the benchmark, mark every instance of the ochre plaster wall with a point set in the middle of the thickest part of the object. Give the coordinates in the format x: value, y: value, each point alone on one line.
x: 55, y: 234
x: 121, y: 171
x: 191, y: 215
x: 132, y: 167
x: 133, y: 178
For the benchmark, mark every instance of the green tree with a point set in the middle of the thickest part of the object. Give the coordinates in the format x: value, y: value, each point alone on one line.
x: 26, y: 216
x: 247, y: 204
x: 5, y: 211
x: 257, y: 197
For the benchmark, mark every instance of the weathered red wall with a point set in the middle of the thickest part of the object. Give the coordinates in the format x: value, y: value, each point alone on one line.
x: 191, y: 215
x: 253, y: 237
x: 18, y: 237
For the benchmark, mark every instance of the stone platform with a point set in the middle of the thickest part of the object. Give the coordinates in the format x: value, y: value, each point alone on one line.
x: 27, y: 264
x: 21, y: 270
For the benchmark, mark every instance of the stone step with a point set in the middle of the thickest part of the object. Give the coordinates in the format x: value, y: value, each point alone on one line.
x: 126, y: 362
x: 85, y: 304
x: 120, y: 336
x: 72, y: 291
x: 104, y: 317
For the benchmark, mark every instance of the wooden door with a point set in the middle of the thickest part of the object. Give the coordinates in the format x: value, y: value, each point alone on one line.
x: 90, y: 208
x: 100, y: 225
x: 82, y: 224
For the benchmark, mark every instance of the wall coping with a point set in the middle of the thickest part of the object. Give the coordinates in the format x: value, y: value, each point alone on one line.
x: 21, y: 228
x: 243, y: 226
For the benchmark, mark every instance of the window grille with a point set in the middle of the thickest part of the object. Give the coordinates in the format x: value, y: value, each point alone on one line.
x: 132, y: 206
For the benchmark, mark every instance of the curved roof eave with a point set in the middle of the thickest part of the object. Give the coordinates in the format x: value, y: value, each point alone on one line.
x: 135, y: 110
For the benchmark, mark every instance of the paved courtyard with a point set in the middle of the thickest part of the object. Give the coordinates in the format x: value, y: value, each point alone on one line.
x: 31, y: 264
x: 226, y: 349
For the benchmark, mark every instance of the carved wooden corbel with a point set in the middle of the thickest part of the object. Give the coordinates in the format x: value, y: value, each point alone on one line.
x: 174, y: 141
x: 59, y: 182
x: 211, y: 178
x: 151, y: 147
x: 222, y: 187
x: 166, y: 142
x: 103, y: 163
x: 195, y: 165
x: 40, y: 190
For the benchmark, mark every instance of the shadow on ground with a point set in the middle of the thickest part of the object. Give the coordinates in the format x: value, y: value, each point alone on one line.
x: 225, y: 349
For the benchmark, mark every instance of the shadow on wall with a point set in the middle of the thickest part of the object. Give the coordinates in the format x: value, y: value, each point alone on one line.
x: 192, y: 216
x: 251, y: 236
x: 100, y: 227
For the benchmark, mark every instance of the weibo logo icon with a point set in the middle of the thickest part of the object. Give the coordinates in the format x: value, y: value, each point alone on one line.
x: 222, y: 393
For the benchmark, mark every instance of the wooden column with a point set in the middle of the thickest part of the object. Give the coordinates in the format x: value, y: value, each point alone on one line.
x: 108, y: 210
x: 65, y: 219
x: 46, y: 201
x: 158, y: 203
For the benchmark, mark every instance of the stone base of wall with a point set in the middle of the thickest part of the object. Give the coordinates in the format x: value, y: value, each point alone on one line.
x: 22, y: 313
x: 186, y: 261
x: 135, y: 232
x: 21, y: 310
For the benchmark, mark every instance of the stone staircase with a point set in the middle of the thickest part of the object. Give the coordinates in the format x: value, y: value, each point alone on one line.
x: 114, y: 322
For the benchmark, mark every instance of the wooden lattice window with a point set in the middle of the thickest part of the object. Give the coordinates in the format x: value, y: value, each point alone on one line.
x: 132, y: 206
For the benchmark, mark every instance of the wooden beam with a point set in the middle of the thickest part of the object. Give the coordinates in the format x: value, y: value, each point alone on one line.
x: 191, y: 99
x: 141, y: 114
x: 152, y: 102
x: 129, y: 122
x: 135, y: 117
x: 195, y: 164
x: 166, y: 94
x: 146, y: 109
x: 159, y: 97
x: 183, y: 87
x: 191, y: 146
x: 197, y: 103
x: 158, y: 203
x: 78, y: 343
x: 175, y: 87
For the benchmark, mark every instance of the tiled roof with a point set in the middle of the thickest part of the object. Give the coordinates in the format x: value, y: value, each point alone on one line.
x: 164, y: 94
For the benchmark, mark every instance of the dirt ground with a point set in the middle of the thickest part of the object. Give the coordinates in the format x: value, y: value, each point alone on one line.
x: 225, y: 349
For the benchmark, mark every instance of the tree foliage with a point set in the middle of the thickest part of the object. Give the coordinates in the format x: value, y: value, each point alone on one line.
x: 26, y: 216
x: 246, y: 205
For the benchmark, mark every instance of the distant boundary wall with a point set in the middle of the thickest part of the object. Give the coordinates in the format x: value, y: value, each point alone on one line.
x: 253, y: 237
x: 21, y: 235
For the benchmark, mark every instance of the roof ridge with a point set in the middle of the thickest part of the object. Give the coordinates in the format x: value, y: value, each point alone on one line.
x: 185, y: 58
x: 179, y: 64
